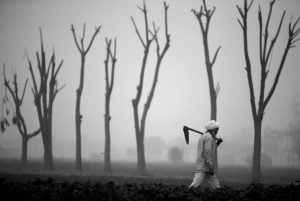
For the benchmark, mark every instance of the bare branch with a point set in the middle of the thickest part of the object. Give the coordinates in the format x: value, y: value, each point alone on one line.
x: 276, y: 79
x: 115, y: 48
x: 275, y: 38
x: 158, y: 64
x: 57, y: 90
x: 42, y: 57
x: 141, y: 9
x: 242, y: 26
x: 34, y: 89
x: 215, y: 57
x: 283, y: 58
x: 108, y: 43
x: 82, y: 37
x: 295, y: 23
x: 260, y: 20
x: 140, y: 123
x: 212, y: 12
x: 41, y: 38
x: 138, y: 33
x: 75, y: 38
x: 38, y: 62
x: 34, y: 133
x: 267, y: 33
x: 293, y: 34
x: 146, y: 21
x: 240, y: 11
x: 248, y: 8
x: 296, y: 33
x: 155, y: 37
x: 166, y: 20
x: 295, y: 41
x: 205, y: 7
x: 60, y: 88
x: 49, y: 65
x: 24, y: 90
x: 244, y: 16
x: 114, y: 60
x: 58, y: 69
x: 97, y: 29
x: 199, y: 18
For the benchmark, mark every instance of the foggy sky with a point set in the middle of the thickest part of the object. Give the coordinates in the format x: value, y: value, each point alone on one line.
x: 182, y: 95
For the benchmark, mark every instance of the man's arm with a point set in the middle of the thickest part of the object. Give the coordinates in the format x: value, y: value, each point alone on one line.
x: 219, y: 141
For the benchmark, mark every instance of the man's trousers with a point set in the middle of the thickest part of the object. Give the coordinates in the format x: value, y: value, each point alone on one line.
x: 202, y: 179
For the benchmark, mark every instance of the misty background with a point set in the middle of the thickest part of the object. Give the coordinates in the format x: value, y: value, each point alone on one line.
x: 182, y: 94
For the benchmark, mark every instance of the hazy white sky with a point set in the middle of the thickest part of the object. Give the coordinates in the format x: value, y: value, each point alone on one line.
x: 181, y: 97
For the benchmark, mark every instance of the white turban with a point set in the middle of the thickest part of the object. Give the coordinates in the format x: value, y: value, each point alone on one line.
x: 211, y: 125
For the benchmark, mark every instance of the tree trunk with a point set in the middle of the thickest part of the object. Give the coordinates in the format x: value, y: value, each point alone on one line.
x: 48, y: 156
x: 107, y: 162
x: 141, y: 162
x: 139, y: 135
x: 140, y: 124
x: 44, y: 91
x: 79, y: 116
x: 213, y: 97
x: 78, y: 140
x: 24, y: 151
x: 256, y: 173
x: 209, y: 65
x: 266, y: 46
x: 109, y: 87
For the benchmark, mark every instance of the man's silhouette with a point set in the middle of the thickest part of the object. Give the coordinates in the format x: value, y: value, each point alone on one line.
x: 207, y: 157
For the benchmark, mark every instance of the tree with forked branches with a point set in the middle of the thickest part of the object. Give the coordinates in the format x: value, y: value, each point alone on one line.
x: 266, y: 47
x: 150, y: 37
x: 204, y: 16
x: 45, y: 89
x: 109, y: 83
x: 18, y: 118
x: 78, y: 117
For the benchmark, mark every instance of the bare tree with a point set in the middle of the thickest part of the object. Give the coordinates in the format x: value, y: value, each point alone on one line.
x: 266, y: 46
x: 18, y: 118
x: 78, y: 117
x: 140, y: 123
x: 45, y: 89
x: 204, y: 16
x: 109, y: 81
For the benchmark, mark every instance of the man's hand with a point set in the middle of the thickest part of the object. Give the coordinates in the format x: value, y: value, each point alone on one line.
x: 219, y: 141
x: 211, y: 173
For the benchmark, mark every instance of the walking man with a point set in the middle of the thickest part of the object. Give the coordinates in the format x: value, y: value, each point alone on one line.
x: 206, y: 161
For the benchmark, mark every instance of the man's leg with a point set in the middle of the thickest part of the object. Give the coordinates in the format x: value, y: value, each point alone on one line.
x: 198, y: 179
x: 213, y: 181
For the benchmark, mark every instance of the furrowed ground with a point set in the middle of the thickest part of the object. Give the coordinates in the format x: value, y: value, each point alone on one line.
x: 163, y: 182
